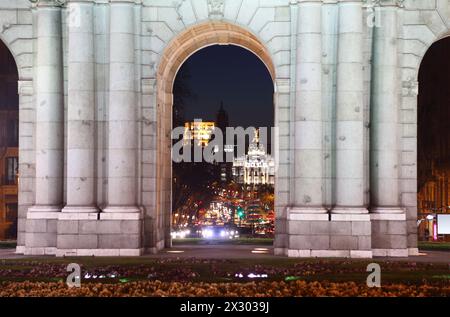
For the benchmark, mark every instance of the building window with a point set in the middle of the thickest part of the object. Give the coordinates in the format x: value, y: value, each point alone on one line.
x: 11, y: 166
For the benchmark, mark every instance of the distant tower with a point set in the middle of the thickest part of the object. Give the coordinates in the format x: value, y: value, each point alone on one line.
x: 222, y: 118
x: 223, y: 168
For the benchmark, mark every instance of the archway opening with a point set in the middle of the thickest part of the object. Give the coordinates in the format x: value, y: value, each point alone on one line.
x: 198, y: 40
x: 220, y: 91
x: 9, y: 143
x: 434, y: 144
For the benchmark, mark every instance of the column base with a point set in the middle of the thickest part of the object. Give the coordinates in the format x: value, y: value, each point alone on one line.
x: 41, y: 212
x: 349, y: 210
x: 71, y: 213
x: 307, y: 213
x: 350, y: 214
x: 387, y: 210
x: 80, y: 209
x: 121, y: 209
x: 308, y: 210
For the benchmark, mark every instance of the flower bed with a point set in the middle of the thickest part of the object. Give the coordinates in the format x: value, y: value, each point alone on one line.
x: 252, y: 289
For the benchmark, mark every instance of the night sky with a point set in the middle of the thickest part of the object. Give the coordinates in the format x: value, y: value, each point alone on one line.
x: 233, y: 75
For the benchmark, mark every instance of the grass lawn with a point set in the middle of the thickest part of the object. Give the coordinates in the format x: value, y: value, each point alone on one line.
x: 437, y: 246
x: 9, y: 244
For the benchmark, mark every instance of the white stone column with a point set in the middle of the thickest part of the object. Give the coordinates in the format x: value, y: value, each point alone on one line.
x: 122, y: 150
x: 81, y: 109
x: 330, y: 12
x: 309, y: 181
x: 49, y: 133
x: 385, y: 151
x: 350, y: 183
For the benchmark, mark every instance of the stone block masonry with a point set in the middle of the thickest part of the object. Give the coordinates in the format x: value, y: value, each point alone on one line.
x: 328, y: 235
x: 99, y: 235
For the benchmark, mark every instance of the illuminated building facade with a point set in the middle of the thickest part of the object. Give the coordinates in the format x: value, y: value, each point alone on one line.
x: 256, y: 167
x: 199, y: 131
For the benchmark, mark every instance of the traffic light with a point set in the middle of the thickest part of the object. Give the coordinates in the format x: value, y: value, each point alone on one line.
x: 240, y: 212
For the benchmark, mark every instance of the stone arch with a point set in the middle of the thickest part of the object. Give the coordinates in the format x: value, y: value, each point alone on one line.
x: 16, y: 42
x: 173, y: 56
x: 422, y: 51
x: 416, y: 42
x: 12, y: 54
x: 202, y: 35
x: 427, y: 49
x: 431, y: 113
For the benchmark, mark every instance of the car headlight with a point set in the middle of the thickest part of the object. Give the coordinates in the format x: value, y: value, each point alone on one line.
x: 207, y: 233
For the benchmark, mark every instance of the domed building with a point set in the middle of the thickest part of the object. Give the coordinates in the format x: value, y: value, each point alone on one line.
x: 256, y: 167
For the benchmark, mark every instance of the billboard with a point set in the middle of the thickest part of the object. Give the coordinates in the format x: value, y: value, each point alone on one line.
x: 443, y: 224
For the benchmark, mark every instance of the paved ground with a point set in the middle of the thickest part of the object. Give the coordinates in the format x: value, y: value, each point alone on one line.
x: 244, y: 251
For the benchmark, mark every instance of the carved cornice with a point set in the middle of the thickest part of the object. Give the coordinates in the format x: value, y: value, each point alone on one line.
x: 48, y: 3
x: 379, y: 3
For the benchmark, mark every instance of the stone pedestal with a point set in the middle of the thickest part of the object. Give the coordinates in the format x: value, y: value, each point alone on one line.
x: 40, y: 236
x: 328, y: 235
x: 104, y: 234
x: 389, y: 236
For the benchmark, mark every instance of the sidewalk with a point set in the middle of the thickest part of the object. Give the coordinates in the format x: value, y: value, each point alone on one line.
x: 241, y: 252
